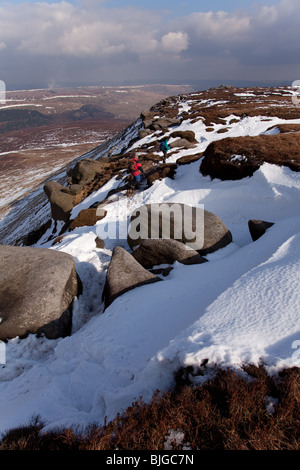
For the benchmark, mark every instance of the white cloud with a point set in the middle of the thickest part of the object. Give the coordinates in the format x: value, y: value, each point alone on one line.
x: 175, y: 42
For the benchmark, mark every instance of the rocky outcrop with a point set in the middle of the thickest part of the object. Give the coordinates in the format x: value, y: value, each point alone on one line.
x: 152, y: 121
x: 61, y: 200
x: 201, y: 230
x: 124, y: 273
x: 99, y: 243
x: 87, y: 217
x: 165, y: 251
x: 258, y: 227
x: 235, y: 158
x: 161, y: 172
x: 184, y: 139
x: 187, y: 159
x: 86, y: 177
x: 187, y: 135
x: 37, y: 288
x: 85, y: 171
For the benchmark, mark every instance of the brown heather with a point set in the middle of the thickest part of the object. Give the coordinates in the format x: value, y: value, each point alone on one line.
x: 227, y: 412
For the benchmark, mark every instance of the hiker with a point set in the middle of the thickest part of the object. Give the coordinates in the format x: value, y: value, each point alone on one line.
x: 164, y: 147
x: 136, y: 169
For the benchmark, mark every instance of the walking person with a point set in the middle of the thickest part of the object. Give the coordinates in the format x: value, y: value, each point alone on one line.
x: 164, y: 147
x: 135, y: 168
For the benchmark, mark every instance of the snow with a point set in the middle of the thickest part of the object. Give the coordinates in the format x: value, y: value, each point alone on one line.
x: 242, y: 306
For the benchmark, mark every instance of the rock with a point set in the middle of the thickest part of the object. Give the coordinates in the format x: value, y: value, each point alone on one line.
x: 85, y: 171
x: 147, y: 115
x: 164, y: 123
x: 61, y: 200
x: 201, y: 230
x: 179, y: 143
x: 186, y: 160
x: 162, y: 271
x: 165, y: 251
x: 37, y: 288
x: 33, y: 237
x: 124, y: 273
x: 187, y: 135
x: 234, y: 158
x: 144, y: 133
x: 258, y: 227
x: 87, y: 217
x: 99, y: 243
x: 163, y: 171
x: 76, y: 188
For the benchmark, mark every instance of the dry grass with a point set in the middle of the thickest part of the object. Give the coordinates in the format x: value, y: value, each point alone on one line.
x: 227, y: 412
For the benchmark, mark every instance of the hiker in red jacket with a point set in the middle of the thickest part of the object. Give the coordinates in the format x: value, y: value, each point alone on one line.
x: 136, y: 169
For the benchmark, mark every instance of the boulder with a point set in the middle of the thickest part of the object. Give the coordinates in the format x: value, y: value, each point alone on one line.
x: 179, y: 143
x: 187, y: 135
x: 165, y: 251
x: 258, y: 227
x: 187, y: 159
x: 163, y: 171
x: 200, y: 229
x: 147, y: 114
x: 61, y: 200
x: 166, y: 122
x: 76, y: 188
x: 123, y: 274
x: 87, y: 217
x: 99, y: 243
x: 234, y: 158
x: 37, y: 288
x: 85, y: 171
x: 144, y: 133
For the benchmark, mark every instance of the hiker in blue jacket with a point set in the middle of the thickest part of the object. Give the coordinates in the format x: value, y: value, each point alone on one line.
x: 164, y: 147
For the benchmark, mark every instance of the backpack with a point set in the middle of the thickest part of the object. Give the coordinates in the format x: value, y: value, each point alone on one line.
x: 162, y: 146
x: 133, y: 166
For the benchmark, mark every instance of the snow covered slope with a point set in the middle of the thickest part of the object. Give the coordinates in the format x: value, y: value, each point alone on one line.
x: 240, y: 307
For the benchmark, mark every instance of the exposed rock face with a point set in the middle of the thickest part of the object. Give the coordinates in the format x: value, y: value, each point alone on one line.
x: 182, y: 143
x: 185, y: 139
x: 154, y: 122
x: 87, y: 217
x: 163, y: 171
x: 258, y: 227
x: 61, y: 200
x: 201, y: 230
x: 99, y: 243
x: 187, y: 135
x: 85, y: 171
x: 163, y: 251
x: 235, y: 158
x: 124, y: 273
x: 186, y: 160
x: 37, y: 289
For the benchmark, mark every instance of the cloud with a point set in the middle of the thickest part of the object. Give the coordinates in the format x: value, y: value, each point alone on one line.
x: 89, y: 41
x: 175, y: 42
x: 267, y: 35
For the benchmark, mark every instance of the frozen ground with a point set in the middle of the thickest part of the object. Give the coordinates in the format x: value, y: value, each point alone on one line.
x: 240, y: 307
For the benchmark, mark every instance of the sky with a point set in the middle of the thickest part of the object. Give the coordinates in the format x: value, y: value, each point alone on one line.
x: 88, y: 42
